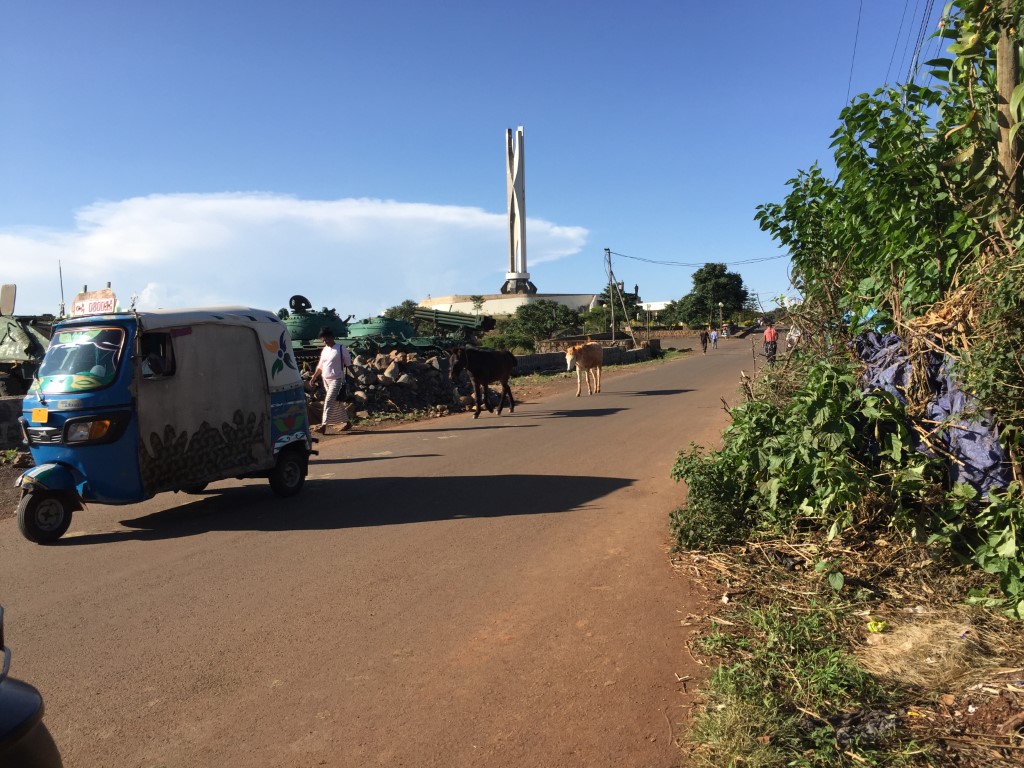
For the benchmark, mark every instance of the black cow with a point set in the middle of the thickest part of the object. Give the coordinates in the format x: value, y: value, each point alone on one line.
x: 485, y: 366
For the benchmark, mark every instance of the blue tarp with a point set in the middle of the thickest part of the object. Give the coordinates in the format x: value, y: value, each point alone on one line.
x: 968, y: 435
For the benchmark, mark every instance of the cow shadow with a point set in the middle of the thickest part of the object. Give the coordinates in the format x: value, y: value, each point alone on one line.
x: 335, y: 504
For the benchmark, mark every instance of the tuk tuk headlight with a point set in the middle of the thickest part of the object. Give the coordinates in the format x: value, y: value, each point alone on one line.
x: 83, y: 431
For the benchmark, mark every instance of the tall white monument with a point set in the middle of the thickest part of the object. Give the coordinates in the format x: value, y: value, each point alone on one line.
x: 517, y: 279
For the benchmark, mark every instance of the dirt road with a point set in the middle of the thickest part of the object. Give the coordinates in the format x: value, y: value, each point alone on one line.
x: 447, y: 593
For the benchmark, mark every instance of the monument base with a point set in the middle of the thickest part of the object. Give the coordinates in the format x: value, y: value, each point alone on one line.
x: 518, y: 282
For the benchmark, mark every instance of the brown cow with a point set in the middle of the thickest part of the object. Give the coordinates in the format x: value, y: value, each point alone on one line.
x: 587, y: 357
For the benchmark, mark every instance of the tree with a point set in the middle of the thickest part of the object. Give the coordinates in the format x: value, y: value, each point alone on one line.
x: 630, y: 300
x: 921, y: 230
x: 478, y: 302
x: 507, y: 334
x: 542, y: 319
x: 712, y: 284
x: 596, y: 320
x: 403, y: 311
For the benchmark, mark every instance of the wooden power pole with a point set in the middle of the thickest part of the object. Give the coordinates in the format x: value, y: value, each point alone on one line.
x: 1006, y: 80
x: 611, y: 287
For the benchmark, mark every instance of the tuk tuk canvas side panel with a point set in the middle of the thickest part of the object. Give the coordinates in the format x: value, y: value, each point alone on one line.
x: 210, y: 419
x: 289, y: 421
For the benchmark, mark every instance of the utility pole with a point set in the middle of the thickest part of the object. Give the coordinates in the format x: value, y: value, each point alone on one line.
x: 1006, y: 81
x: 611, y: 288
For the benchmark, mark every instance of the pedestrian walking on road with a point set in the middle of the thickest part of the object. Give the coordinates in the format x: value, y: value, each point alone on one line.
x: 704, y: 340
x: 771, y: 342
x: 714, y: 339
x: 334, y: 361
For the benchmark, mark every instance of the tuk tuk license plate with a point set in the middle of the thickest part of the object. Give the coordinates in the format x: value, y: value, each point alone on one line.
x: 40, y: 415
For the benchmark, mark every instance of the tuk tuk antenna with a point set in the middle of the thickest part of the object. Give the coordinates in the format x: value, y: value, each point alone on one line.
x: 60, y: 275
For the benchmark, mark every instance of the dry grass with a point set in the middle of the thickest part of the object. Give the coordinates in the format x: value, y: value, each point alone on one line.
x: 950, y: 652
x: 953, y: 673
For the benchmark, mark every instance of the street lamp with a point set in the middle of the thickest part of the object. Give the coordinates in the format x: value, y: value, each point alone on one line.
x: 721, y: 305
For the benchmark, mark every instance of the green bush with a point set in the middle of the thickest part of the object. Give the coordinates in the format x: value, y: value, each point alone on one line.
x: 985, y: 534
x: 819, y: 457
x: 717, y: 512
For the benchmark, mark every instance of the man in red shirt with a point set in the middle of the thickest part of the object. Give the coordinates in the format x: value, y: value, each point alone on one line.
x: 771, y: 342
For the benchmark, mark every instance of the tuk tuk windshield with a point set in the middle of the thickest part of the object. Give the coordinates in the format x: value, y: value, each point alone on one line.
x: 81, y: 359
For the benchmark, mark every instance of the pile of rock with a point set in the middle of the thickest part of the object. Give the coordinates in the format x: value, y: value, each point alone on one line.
x: 405, y: 382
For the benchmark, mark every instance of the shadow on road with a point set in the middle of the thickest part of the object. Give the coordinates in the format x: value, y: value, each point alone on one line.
x: 322, y: 462
x: 333, y: 504
x: 473, y: 424
x: 652, y: 392
x: 584, y: 412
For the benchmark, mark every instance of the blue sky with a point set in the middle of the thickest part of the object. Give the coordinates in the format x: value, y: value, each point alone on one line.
x: 241, y: 152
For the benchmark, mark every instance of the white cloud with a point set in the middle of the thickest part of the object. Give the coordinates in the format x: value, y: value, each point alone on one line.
x: 357, y: 255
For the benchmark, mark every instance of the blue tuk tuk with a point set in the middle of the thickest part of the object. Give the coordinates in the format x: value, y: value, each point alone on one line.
x: 128, y: 404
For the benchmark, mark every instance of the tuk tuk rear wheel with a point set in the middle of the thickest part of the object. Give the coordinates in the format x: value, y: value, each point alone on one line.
x: 289, y: 474
x: 44, y: 516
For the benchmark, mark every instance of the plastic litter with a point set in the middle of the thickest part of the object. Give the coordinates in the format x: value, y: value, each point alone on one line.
x: 970, y: 436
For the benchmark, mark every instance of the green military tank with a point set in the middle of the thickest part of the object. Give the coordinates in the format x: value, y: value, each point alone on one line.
x: 384, y: 334
x: 304, y: 326
x: 378, y: 334
x: 23, y: 342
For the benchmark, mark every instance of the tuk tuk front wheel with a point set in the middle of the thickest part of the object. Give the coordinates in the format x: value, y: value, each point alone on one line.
x: 44, y: 516
x: 289, y: 474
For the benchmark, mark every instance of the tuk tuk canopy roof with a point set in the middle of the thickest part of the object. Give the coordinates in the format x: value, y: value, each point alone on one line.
x: 172, y: 318
x: 281, y: 369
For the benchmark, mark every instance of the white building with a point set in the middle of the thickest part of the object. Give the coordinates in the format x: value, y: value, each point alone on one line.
x: 506, y: 304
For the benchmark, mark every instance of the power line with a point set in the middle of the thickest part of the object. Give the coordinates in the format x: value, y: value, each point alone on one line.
x: 937, y: 44
x: 856, y: 37
x: 922, y: 30
x: 685, y: 264
x: 899, y: 34
x: 906, y: 47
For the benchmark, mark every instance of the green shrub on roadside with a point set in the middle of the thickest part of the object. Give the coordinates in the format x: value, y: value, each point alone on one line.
x: 717, y: 512
x: 988, y: 536
x: 818, y: 458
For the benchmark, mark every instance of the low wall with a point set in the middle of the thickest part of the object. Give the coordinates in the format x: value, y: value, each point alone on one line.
x: 554, y: 345
x: 10, y: 430
x: 555, y: 361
